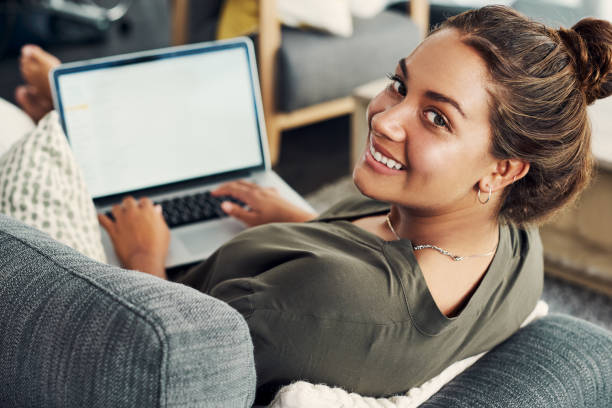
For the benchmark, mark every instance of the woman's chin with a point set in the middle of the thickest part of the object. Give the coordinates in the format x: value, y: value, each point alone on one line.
x: 362, y: 182
x: 376, y: 186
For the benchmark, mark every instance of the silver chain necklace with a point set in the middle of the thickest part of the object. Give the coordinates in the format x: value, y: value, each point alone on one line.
x: 434, y: 247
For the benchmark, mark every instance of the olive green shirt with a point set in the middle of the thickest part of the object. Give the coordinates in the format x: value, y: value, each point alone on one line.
x: 329, y: 302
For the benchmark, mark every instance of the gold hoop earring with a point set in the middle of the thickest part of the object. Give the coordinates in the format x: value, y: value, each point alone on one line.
x: 488, y: 198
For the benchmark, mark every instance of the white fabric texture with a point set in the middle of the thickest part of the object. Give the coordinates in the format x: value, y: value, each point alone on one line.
x: 332, y: 16
x: 14, y: 124
x: 42, y: 186
x: 367, y: 8
x: 303, y: 394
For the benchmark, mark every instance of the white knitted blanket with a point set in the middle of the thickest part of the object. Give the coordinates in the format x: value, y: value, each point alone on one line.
x: 302, y: 394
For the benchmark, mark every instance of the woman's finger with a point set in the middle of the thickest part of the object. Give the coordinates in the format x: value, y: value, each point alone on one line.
x: 247, y: 184
x: 129, y: 202
x: 117, y: 210
x: 106, y: 223
x: 246, y: 216
x: 224, y: 186
x: 240, y: 192
x: 145, y: 202
x: 231, y: 186
x: 240, y: 182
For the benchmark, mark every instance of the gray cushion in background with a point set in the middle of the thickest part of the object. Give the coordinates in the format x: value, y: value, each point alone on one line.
x: 315, y: 67
x: 203, y: 20
x: 77, y: 333
x: 557, y: 15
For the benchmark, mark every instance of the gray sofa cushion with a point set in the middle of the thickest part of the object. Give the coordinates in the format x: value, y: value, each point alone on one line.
x: 315, y: 67
x: 555, y: 362
x: 203, y: 20
x: 77, y: 333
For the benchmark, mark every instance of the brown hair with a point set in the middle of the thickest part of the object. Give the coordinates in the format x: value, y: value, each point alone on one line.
x: 543, y: 79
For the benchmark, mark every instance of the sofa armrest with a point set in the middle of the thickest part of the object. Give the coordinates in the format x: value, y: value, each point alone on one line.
x: 557, y: 361
x: 75, y: 332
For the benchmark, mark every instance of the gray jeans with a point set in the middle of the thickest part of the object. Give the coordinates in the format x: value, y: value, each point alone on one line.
x: 557, y: 361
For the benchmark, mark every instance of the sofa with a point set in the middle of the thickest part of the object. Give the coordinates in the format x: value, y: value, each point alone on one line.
x: 78, y: 333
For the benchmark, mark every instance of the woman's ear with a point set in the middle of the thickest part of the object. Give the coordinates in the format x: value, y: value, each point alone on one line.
x: 506, y: 172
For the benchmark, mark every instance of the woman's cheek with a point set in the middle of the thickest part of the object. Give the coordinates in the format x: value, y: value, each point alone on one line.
x: 427, y: 156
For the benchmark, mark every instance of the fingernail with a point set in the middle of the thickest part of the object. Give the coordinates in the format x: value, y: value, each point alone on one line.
x: 226, y: 206
x: 158, y: 208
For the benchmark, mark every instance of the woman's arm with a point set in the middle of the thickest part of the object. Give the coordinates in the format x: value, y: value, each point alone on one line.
x: 265, y: 204
x: 141, y: 236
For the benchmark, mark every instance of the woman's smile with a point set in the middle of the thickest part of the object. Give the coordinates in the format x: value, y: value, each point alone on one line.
x: 381, y: 160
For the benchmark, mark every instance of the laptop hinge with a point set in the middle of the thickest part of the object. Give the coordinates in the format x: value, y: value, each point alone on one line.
x: 174, y: 187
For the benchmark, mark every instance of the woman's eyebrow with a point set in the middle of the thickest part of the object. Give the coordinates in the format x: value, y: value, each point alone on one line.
x: 436, y: 96
x: 442, y: 98
x: 403, y: 67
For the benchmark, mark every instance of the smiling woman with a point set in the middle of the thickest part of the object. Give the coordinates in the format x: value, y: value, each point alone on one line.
x: 433, y: 118
x: 481, y: 134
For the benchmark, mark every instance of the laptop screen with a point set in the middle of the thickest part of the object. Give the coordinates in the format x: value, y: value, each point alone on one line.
x: 159, y: 119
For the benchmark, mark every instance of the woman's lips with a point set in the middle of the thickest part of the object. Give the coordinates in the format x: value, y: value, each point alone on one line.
x: 380, y: 167
x: 377, y: 147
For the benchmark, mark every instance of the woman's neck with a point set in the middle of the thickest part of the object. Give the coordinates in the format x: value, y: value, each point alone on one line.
x: 463, y: 232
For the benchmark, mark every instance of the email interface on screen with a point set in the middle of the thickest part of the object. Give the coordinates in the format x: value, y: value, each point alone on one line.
x: 151, y: 123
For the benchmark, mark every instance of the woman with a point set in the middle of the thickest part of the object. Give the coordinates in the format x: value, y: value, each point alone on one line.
x: 481, y: 134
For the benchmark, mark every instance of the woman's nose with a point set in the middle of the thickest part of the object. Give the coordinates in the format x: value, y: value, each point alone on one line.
x: 391, y: 122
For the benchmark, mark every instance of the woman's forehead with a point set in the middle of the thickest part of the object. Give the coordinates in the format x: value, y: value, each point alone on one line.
x: 445, y: 65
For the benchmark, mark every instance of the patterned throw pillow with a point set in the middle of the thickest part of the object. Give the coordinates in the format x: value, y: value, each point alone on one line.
x: 42, y: 186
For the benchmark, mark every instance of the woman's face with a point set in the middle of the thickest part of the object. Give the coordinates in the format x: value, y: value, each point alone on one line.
x: 433, y: 121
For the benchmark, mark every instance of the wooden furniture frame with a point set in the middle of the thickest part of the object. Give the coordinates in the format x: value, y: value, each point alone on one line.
x: 179, y: 26
x: 268, y: 46
x: 269, y: 42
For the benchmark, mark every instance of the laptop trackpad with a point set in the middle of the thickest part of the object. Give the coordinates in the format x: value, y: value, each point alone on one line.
x: 196, y: 242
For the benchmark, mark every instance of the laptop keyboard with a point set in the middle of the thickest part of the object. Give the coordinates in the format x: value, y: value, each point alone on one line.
x: 188, y: 209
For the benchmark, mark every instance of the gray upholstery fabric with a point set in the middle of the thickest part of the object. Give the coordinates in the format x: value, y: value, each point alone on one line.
x: 315, y: 67
x: 559, y: 14
x: 77, y: 333
x: 555, y: 362
x: 203, y: 20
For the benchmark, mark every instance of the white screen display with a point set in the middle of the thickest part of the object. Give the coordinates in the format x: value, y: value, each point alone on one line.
x: 161, y: 121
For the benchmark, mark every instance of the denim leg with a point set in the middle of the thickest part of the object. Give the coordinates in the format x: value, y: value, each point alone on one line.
x: 557, y: 361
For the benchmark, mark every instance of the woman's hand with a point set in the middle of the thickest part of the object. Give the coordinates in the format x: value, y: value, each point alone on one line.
x: 139, y: 234
x: 265, y: 204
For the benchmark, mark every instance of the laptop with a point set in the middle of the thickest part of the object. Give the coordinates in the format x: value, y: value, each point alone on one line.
x: 170, y: 124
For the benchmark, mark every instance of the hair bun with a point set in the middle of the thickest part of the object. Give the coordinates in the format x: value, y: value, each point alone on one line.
x: 590, y: 44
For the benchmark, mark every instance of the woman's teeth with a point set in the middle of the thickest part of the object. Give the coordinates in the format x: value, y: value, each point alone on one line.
x: 379, y: 157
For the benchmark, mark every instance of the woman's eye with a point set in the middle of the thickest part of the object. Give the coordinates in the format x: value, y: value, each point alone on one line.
x: 436, y: 119
x: 397, y: 85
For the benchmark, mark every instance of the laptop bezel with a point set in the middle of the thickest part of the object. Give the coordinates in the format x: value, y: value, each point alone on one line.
x: 168, y: 53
